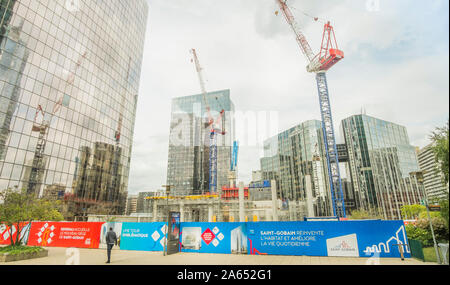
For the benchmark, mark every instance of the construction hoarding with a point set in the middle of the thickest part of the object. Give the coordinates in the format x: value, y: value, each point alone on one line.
x: 222, y: 238
x: 143, y: 236
x: 65, y: 234
x: 374, y: 238
x: 5, y: 233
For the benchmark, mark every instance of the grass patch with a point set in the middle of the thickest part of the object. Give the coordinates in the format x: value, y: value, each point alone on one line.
x: 430, y: 254
x: 20, y: 249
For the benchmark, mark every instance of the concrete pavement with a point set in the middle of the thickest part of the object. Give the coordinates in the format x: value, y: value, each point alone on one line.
x: 57, y: 256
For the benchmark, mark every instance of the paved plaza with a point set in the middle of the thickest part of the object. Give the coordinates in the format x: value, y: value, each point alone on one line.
x: 57, y: 256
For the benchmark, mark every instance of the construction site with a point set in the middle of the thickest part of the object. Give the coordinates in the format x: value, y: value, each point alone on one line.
x: 261, y: 200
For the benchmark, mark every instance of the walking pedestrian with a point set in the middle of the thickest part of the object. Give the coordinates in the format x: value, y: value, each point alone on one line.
x: 111, y: 240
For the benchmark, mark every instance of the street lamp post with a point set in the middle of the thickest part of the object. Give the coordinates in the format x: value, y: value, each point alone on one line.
x: 167, y: 206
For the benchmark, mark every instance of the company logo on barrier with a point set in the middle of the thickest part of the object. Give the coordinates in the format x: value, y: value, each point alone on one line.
x: 208, y: 236
x: 45, y: 235
x: 214, y: 236
x: 343, y: 246
x: 399, y: 238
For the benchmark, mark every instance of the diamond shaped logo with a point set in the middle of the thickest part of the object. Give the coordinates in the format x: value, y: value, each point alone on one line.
x: 39, y: 234
x: 164, y: 229
x: 52, y: 234
x: 156, y: 236
x: 46, y: 225
x: 215, y: 242
x: 39, y: 240
x: 208, y: 236
x: 215, y: 230
x: 49, y: 240
x: 52, y: 227
x: 220, y: 236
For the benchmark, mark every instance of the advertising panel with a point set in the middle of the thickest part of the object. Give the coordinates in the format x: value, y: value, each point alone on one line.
x: 345, y: 238
x: 116, y: 227
x: 214, y: 237
x: 143, y: 236
x: 5, y: 233
x: 65, y: 234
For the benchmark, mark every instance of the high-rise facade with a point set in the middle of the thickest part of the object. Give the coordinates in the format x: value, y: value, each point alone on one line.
x: 189, y: 141
x: 295, y: 158
x: 433, y: 177
x: 382, y: 164
x: 69, y: 80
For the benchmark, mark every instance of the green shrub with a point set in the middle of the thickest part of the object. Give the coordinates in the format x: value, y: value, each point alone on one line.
x: 20, y: 249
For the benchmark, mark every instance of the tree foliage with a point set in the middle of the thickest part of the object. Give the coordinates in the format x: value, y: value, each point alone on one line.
x: 365, y: 214
x: 412, y: 211
x: 440, y: 148
x: 18, y: 208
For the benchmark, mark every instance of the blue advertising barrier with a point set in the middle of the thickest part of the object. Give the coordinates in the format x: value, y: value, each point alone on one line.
x: 143, y: 236
x: 222, y: 238
x: 370, y: 238
x: 374, y: 238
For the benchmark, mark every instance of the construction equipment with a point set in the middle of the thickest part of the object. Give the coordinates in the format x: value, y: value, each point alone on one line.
x: 38, y: 164
x: 233, y: 164
x: 327, y: 57
x: 215, y: 129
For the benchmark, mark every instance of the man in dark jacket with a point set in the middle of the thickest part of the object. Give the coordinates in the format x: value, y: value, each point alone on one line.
x: 111, y: 240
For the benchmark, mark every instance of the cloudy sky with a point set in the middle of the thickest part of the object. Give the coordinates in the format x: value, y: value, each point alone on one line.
x: 396, y: 68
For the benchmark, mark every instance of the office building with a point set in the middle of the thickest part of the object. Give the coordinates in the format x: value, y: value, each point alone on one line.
x: 131, y: 207
x: 382, y: 165
x: 189, y: 141
x: 433, y: 177
x: 295, y: 159
x: 69, y: 81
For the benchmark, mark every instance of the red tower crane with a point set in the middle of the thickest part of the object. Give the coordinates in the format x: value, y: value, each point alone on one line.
x: 327, y: 57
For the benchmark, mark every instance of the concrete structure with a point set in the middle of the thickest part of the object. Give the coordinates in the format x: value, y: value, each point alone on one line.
x: 433, y: 177
x: 131, y: 207
x: 188, y: 159
x: 69, y: 82
x: 382, y: 165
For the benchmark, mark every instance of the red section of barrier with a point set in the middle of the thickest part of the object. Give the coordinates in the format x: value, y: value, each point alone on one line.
x: 5, y: 233
x: 65, y: 234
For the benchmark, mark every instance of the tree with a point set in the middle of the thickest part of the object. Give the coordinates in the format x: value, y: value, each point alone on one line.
x: 440, y: 148
x: 365, y: 214
x: 412, y: 211
x: 19, y: 208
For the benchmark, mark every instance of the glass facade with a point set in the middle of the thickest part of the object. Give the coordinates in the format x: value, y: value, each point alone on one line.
x: 382, y: 164
x: 69, y: 79
x: 293, y: 155
x: 434, y: 181
x: 188, y: 162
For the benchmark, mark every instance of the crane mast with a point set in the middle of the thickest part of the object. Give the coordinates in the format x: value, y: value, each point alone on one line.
x: 328, y: 56
x: 214, y: 130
